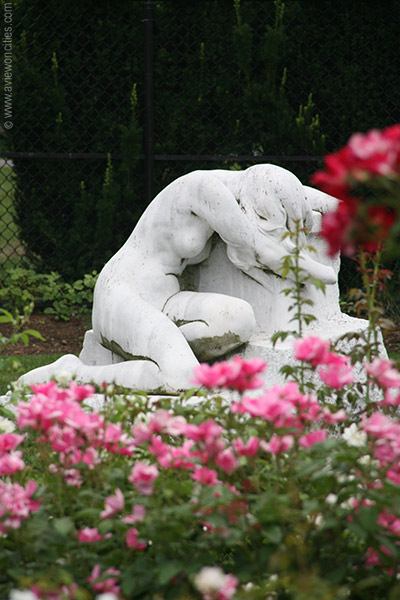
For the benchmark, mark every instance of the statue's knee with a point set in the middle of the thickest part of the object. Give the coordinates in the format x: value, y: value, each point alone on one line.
x: 235, y: 316
x: 246, y: 320
x: 230, y: 324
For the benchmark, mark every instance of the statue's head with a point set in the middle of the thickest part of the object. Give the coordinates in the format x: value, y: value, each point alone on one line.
x: 277, y: 199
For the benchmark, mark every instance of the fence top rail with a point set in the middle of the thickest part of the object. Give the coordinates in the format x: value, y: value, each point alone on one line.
x: 166, y: 157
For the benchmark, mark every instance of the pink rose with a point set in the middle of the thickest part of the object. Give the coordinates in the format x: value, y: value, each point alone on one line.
x: 205, y: 476
x: 227, y: 461
x: 132, y: 540
x: 337, y: 373
x: 313, y: 438
x: 236, y: 374
x: 11, y: 463
x: 138, y: 514
x: 312, y: 349
x: 381, y: 369
x: 106, y: 585
x: 16, y: 504
x: 278, y: 445
x: 246, y: 449
x: 88, y: 535
x: 9, y: 441
x: 356, y: 223
x: 143, y: 476
x: 113, y: 504
x: 211, y: 376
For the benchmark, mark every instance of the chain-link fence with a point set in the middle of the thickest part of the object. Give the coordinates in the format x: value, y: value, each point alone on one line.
x: 112, y: 101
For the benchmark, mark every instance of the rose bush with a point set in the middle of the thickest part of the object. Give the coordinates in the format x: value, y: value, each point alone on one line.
x: 231, y: 490
x: 365, y: 177
x: 277, y: 492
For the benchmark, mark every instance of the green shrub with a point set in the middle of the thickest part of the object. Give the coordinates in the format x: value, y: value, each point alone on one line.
x: 17, y: 321
x: 73, y: 215
x: 240, y: 86
x: 68, y: 299
x: 20, y: 286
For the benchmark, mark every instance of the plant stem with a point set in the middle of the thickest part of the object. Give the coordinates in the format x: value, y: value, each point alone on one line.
x: 297, y: 281
x: 370, y: 287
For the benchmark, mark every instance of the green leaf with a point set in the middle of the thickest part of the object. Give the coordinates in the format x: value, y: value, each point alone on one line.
x: 281, y: 335
x: 23, y: 337
x: 273, y: 533
x: 367, y: 517
x: 357, y: 530
x: 138, y: 578
x: 8, y: 414
x: 64, y: 526
x: 337, y: 575
x: 105, y: 526
x: 287, y: 370
x: 320, y: 285
x: 309, y: 318
x: 34, y: 334
x: 87, y: 513
x: 167, y: 570
x: 388, y: 543
x: 7, y: 318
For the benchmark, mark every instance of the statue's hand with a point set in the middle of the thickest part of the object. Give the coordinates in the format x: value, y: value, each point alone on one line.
x: 271, y: 255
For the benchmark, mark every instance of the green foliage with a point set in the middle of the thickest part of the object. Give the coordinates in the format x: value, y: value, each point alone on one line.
x: 8, y: 229
x: 13, y: 366
x: 17, y: 287
x: 299, y: 276
x: 17, y: 322
x: 73, y: 215
x: 68, y: 299
x: 314, y: 518
x: 260, y: 80
x: 290, y: 526
x: 20, y: 286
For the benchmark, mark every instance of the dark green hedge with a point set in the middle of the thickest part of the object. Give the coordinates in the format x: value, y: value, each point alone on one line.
x: 230, y: 78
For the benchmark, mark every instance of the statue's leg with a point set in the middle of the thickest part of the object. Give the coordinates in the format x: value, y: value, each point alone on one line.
x: 213, y: 324
x: 128, y: 325
x: 137, y: 374
x: 157, y: 355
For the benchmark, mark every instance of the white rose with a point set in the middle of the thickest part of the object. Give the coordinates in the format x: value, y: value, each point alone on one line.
x: 331, y: 499
x: 64, y: 378
x: 22, y: 595
x: 6, y: 426
x: 354, y: 436
x: 210, y: 579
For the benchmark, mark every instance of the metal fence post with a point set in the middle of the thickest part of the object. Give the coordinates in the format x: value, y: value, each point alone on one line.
x: 149, y: 98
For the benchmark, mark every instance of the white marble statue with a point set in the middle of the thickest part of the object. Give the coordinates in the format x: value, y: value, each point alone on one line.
x: 149, y: 328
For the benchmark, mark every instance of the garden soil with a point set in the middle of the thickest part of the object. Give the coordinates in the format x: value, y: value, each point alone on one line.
x: 64, y: 337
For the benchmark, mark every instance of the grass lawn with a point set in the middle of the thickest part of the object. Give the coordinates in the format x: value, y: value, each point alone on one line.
x: 15, y: 366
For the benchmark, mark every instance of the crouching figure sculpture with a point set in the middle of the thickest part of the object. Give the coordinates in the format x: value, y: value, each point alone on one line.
x: 150, y: 328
